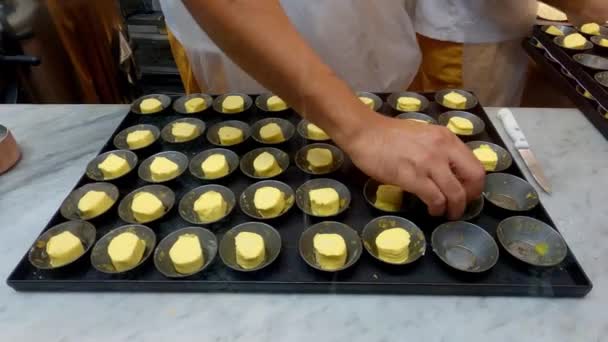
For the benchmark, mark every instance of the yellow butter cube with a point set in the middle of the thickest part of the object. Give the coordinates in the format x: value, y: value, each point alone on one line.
x: 266, y: 165
x: 233, y: 104
x: 64, y: 248
x: 186, y: 254
x: 319, y: 159
x: 230, y: 135
x: 604, y: 42
x: 460, y: 125
x: 575, y: 41
x: 487, y: 156
x: 591, y: 28
x: 210, y: 206
x: 330, y: 251
x: 250, y: 249
x: 114, y: 166
x: 324, y: 202
x: 316, y: 133
x: 151, y: 105
x: 554, y: 31
x: 418, y: 121
x: 389, y: 198
x: 393, y: 245
x: 162, y: 169
x: 94, y: 203
x: 183, y: 131
x: 408, y: 104
x: 195, y: 104
x: 126, y: 250
x: 269, y: 201
x: 146, y: 207
x: 275, y: 104
x: 272, y: 133
x: 140, y: 139
x: 454, y: 100
x: 367, y: 101
x: 215, y: 166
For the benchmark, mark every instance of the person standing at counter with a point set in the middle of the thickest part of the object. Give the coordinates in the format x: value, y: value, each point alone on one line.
x: 311, y: 53
x: 475, y: 44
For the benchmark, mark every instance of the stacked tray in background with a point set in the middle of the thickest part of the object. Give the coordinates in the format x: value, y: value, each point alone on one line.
x: 287, y: 269
x: 586, y: 86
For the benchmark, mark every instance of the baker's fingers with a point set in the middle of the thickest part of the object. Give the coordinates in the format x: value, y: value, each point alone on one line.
x: 467, y: 169
x: 430, y: 194
x: 452, y: 189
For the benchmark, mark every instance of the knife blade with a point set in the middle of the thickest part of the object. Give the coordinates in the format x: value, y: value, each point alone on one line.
x: 523, y: 147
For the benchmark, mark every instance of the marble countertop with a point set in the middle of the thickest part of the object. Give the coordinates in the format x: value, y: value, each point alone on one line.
x: 58, y: 141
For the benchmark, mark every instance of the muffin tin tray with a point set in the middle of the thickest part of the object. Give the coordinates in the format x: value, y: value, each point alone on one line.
x: 289, y: 272
x: 579, y: 77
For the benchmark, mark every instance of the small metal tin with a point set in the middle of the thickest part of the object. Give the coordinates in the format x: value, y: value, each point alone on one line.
x: 603, y: 111
x: 247, y: 160
x: 163, y: 193
x: 247, y: 196
x: 559, y: 41
x: 99, y: 255
x: 167, y: 134
x: 417, y: 116
x: 567, y: 73
x: 69, y: 207
x: 9, y: 150
x: 602, y: 78
x: 179, y: 105
x: 261, y: 102
x: 591, y: 62
x: 94, y: 173
x: 272, y: 244
x: 217, y: 103
x: 603, y: 32
x: 164, y: 100
x: 596, y: 42
x: 302, y: 129
x: 510, y: 192
x: 377, y: 100
x: 471, y: 103
x: 416, y: 248
x: 392, y: 101
x: 162, y: 260
x: 196, y: 168
x: 83, y: 230
x: 473, y: 209
x: 524, y: 236
x: 213, y: 137
x: 186, y: 204
x: 178, y: 158
x: 303, y: 199
x: 369, y: 192
x: 351, y: 238
x: 304, y: 165
x: 504, y: 157
x: 564, y: 29
x: 536, y: 43
x: 465, y: 246
x: 478, y: 125
x: 582, y: 92
x: 287, y: 129
x: 120, y: 140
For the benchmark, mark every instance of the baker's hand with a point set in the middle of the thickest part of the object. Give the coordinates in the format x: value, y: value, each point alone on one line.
x: 426, y: 160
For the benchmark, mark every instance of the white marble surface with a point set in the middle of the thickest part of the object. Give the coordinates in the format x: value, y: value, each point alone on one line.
x: 58, y: 141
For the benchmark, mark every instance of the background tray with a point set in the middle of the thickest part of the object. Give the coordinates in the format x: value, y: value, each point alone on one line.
x: 590, y: 108
x: 289, y: 273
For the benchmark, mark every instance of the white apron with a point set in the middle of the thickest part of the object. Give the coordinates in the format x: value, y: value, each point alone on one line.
x: 371, y: 44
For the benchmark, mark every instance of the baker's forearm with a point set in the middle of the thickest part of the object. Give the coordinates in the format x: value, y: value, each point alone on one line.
x: 258, y: 36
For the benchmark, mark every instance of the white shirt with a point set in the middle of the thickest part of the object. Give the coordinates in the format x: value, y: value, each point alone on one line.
x: 475, y: 21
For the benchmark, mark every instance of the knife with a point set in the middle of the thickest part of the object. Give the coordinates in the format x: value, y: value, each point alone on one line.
x: 521, y: 144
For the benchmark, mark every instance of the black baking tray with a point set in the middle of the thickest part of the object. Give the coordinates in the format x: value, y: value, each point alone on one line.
x: 581, y: 76
x: 289, y: 273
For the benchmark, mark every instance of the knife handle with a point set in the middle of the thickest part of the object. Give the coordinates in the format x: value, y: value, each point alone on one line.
x: 512, y: 128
